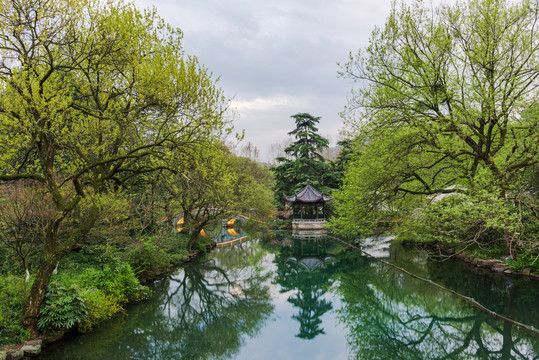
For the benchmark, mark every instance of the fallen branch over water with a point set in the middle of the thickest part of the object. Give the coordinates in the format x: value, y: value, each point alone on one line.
x: 432, y: 283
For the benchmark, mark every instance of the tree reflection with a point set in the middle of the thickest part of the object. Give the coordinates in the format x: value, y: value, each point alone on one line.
x: 310, y: 283
x: 510, y: 296
x: 205, y: 311
x: 311, y: 307
x: 392, y: 316
x: 209, y: 309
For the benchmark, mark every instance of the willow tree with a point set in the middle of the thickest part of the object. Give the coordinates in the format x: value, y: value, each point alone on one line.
x: 92, y: 94
x: 446, y: 103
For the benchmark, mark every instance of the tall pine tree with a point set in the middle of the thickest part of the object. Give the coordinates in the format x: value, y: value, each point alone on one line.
x: 303, y: 160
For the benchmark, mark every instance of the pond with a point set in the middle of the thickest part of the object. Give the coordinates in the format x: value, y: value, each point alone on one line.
x: 277, y: 297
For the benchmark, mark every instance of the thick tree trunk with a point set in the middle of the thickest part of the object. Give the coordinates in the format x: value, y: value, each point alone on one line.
x: 38, y: 291
x: 53, y: 253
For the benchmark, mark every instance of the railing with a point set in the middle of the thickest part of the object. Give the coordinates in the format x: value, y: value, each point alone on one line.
x: 231, y: 242
x: 309, y: 234
x: 308, y: 221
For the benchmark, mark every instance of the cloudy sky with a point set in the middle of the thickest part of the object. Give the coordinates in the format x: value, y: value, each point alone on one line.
x: 276, y: 58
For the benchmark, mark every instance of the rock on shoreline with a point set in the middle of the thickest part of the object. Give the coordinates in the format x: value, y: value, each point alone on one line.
x: 28, y: 349
x: 494, y: 265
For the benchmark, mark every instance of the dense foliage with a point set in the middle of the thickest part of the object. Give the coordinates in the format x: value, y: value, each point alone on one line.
x: 446, y: 126
x: 63, y: 307
x: 214, y: 182
x: 11, y: 304
x: 102, y: 114
x: 303, y: 160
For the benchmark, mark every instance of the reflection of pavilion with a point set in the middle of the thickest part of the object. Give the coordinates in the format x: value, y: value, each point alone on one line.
x: 311, y: 263
x: 309, y: 234
x: 310, y: 253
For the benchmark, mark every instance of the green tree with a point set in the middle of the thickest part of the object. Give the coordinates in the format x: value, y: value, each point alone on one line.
x: 88, y: 89
x: 202, y: 188
x: 447, y: 104
x: 212, y: 182
x: 303, y: 160
x: 253, y: 187
x: 346, y: 150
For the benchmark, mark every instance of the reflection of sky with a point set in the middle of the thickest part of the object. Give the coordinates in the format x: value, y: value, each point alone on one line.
x: 277, y: 338
x: 397, y: 310
x: 377, y: 246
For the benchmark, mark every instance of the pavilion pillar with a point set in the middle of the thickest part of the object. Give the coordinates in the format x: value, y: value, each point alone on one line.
x: 303, y: 202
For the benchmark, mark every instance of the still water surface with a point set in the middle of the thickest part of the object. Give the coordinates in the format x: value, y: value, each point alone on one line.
x: 285, y: 298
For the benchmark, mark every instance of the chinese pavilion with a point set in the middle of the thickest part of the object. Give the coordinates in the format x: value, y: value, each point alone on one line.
x: 308, y: 206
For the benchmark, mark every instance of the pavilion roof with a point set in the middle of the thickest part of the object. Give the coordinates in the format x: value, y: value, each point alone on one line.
x: 311, y: 263
x: 308, y: 195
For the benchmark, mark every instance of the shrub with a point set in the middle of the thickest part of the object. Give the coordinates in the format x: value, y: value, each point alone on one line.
x: 157, y: 254
x: 88, y: 256
x: 103, y: 293
x: 173, y: 243
x: 480, y: 218
x: 117, y: 280
x: 11, y: 300
x: 63, y: 307
x: 525, y: 260
x: 147, y: 260
x: 100, y: 307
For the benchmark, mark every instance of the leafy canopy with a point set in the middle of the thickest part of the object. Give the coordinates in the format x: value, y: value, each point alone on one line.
x: 303, y: 159
x: 92, y: 94
x: 446, y: 103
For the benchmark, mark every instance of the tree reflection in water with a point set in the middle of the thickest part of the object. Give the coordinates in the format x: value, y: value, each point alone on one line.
x: 212, y: 308
x: 205, y: 311
x: 310, y: 283
x: 392, y: 316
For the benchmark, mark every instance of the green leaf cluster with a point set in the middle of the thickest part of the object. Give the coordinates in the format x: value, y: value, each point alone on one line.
x: 100, y: 307
x: 115, y: 279
x: 446, y: 104
x: 153, y: 255
x: 12, y: 292
x: 63, y: 308
x: 87, y: 293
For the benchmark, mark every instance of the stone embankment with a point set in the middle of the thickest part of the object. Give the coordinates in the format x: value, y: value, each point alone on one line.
x: 28, y: 349
x: 494, y: 265
x: 498, y: 266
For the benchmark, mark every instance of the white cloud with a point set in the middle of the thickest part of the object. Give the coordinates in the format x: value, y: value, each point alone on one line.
x: 276, y: 58
x: 269, y: 103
